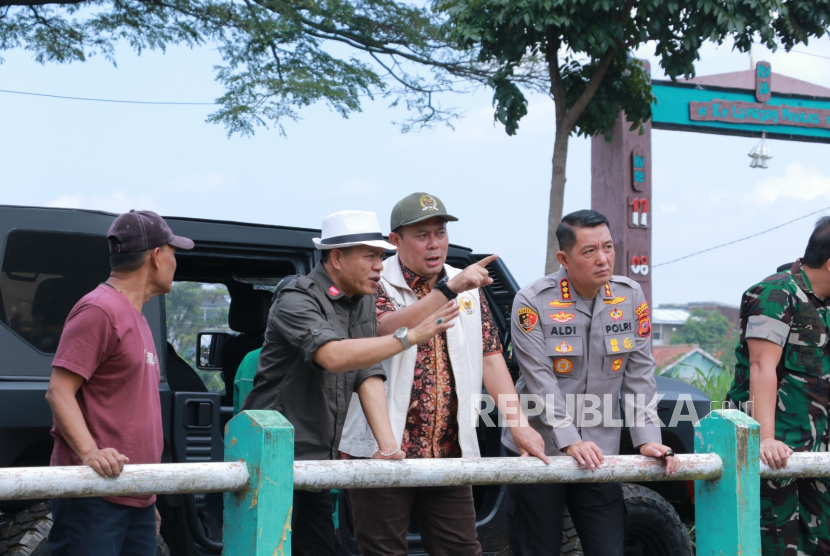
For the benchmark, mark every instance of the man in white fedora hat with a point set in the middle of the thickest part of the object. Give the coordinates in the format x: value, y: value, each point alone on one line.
x: 320, y: 347
x: 432, y: 390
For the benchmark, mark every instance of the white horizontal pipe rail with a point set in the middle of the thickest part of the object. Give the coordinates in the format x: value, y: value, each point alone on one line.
x: 800, y: 465
x: 314, y: 475
x: 21, y: 483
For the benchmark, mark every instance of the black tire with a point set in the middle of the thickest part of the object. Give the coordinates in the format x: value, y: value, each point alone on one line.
x: 28, y: 533
x: 652, y: 526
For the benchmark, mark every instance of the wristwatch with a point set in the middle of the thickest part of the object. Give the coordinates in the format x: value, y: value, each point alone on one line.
x: 400, y: 334
x: 442, y: 287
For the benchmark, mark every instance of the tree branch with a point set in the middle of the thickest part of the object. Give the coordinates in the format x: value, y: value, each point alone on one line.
x: 557, y: 89
x: 587, y: 95
x: 37, y: 2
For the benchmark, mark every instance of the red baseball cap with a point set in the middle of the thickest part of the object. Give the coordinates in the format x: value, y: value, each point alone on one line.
x: 141, y: 230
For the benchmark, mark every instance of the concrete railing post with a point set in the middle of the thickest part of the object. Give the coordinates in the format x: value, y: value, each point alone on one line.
x: 728, y: 510
x: 258, y: 518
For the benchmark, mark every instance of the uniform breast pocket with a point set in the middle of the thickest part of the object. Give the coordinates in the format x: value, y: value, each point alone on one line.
x: 364, y: 328
x: 566, y: 357
x: 810, y: 336
x: 804, y: 351
x: 614, y: 366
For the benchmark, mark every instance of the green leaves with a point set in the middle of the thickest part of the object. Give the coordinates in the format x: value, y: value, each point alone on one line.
x: 508, y: 32
x: 510, y: 103
x: 278, y: 56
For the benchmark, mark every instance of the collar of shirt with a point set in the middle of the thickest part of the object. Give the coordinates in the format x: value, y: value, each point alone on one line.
x: 322, y: 279
x: 413, y: 280
x: 800, y: 278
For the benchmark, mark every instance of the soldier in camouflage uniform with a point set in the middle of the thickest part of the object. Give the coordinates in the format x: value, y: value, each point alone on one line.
x: 784, y: 369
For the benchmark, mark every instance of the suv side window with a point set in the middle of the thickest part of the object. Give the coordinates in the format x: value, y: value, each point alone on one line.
x: 192, y: 307
x: 43, y: 276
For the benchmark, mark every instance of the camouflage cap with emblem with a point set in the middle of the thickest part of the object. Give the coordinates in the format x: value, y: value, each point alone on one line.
x: 417, y: 208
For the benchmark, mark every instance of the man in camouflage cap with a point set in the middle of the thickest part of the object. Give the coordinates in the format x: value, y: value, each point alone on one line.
x: 781, y: 379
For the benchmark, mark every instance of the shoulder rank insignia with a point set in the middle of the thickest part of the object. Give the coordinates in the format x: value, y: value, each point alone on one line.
x: 608, y: 290
x: 615, y: 301
x: 559, y: 304
x: 565, y: 288
x: 564, y: 347
x: 528, y: 318
x: 562, y: 316
x: 642, y: 310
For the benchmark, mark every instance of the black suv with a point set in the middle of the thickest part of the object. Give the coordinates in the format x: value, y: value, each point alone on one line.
x: 50, y: 258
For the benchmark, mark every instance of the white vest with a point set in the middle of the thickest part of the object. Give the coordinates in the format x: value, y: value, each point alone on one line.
x: 465, y: 346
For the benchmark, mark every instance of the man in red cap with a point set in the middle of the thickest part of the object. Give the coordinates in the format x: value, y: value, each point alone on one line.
x: 104, y: 391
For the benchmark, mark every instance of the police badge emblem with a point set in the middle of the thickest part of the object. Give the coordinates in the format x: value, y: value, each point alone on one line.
x: 644, y: 327
x: 428, y: 202
x: 616, y: 314
x: 563, y: 366
x: 628, y: 343
x: 617, y: 364
x: 527, y: 319
x: 564, y: 347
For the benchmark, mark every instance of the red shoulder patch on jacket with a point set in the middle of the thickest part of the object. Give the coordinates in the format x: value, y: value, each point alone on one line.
x: 528, y: 319
x: 644, y: 327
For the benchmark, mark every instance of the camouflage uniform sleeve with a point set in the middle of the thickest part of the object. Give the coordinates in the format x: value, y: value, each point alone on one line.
x: 537, y: 370
x: 768, y: 307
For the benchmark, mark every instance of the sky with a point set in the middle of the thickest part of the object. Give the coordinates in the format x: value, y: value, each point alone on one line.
x: 116, y: 157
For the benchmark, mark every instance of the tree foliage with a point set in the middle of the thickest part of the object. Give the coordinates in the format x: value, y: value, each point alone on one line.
x: 711, y: 331
x: 278, y: 55
x: 587, y: 47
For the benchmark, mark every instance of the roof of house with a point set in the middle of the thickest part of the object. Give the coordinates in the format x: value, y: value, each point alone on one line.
x: 663, y: 355
x: 669, y: 356
x: 669, y: 316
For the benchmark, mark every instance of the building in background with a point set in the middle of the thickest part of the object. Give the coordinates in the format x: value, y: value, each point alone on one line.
x: 683, y: 361
x: 669, y: 318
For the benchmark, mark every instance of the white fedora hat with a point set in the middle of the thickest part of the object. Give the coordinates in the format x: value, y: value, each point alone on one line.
x: 351, y: 227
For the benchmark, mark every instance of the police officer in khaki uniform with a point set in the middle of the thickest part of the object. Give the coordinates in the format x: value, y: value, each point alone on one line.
x: 581, y: 337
